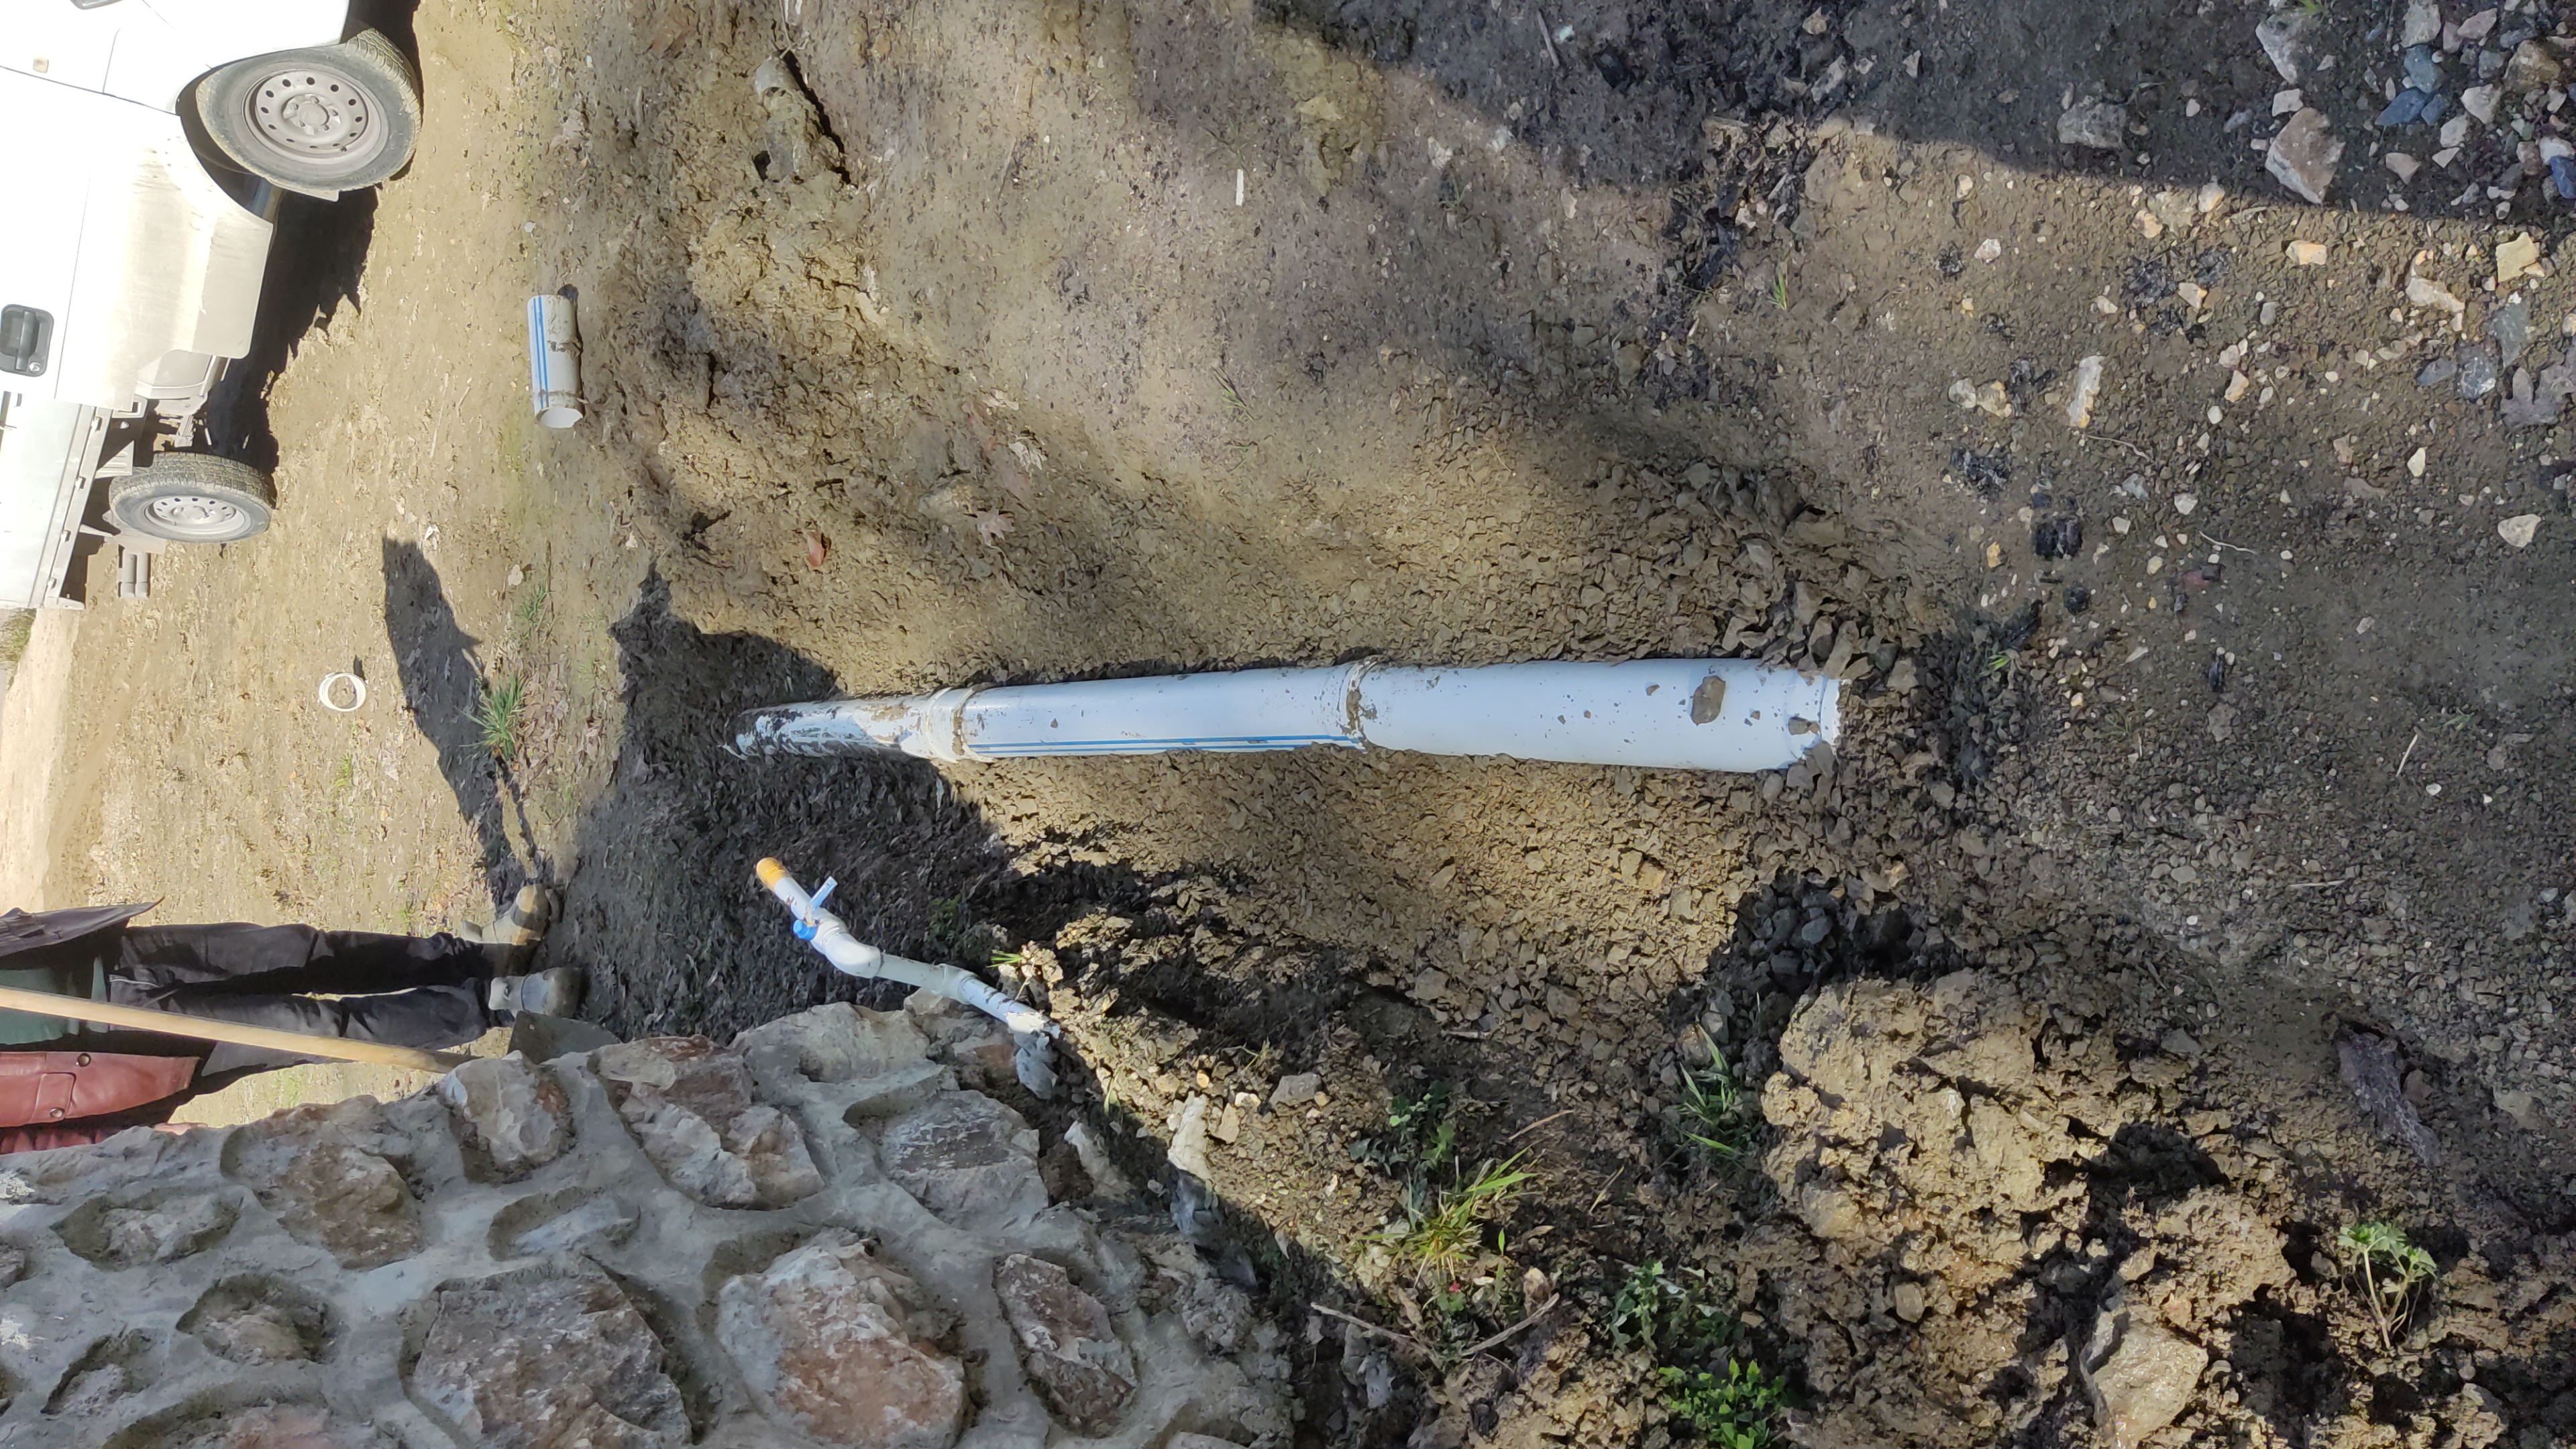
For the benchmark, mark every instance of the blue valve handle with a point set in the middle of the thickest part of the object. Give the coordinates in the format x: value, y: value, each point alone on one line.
x: 806, y: 924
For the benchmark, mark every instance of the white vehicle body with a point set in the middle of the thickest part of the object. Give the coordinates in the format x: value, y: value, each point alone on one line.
x: 129, y: 272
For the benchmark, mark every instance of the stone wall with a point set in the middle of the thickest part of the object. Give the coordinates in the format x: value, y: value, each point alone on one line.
x: 814, y: 1236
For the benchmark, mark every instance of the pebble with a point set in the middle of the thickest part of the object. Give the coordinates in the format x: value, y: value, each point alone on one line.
x: 2287, y: 103
x: 1296, y: 1089
x: 2308, y: 253
x: 1906, y: 1301
x: 2088, y: 386
x: 2477, y: 372
x: 2532, y: 68
x: 2099, y: 124
x: 2289, y: 39
x: 2404, y: 165
x: 2437, y: 372
x: 2423, y: 69
x: 2423, y: 25
x: 2303, y: 156
x: 2193, y: 294
x: 2455, y: 131
x: 2519, y: 530
x: 2184, y: 503
x: 2415, y: 464
x: 1989, y: 249
x: 2515, y: 257
x: 2425, y: 292
x: 2480, y: 101
x: 2404, y: 110
x: 2510, y: 326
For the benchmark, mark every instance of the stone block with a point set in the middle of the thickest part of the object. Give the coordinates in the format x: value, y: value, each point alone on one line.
x: 510, y: 1111
x: 837, y: 1346
x: 1067, y: 1343
x: 966, y: 1157
x: 548, y: 1361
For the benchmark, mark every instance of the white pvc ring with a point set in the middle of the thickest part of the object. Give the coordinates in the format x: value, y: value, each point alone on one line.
x: 357, y: 686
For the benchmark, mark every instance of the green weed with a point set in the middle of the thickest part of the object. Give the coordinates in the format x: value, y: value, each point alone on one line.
x: 1780, y: 288
x: 2389, y: 1268
x: 948, y: 924
x: 14, y: 633
x: 1666, y: 1315
x: 499, y: 715
x: 1444, y: 1229
x: 344, y: 778
x: 1738, y: 1409
x: 1420, y: 1137
x: 1715, y: 1112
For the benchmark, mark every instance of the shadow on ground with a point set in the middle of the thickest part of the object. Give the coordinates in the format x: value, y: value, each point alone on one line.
x: 664, y: 907
x: 315, y: 265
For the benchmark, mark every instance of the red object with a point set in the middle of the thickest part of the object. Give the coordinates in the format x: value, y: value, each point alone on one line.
x: 50, y: 1093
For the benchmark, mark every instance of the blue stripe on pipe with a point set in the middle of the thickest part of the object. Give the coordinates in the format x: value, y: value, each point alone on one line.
x: 1076, y: 747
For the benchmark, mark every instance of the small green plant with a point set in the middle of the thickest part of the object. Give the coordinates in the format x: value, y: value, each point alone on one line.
x: 2389, y: 1268
x: 1735, y: 1410
x: 1420, y: 1136
x: 2308, y: 7
x: 948, y: 924
x: 533, y: 607
x: 344, y: 779
x: 1444, y: 1230
x: 1234, y: 402
x: 1715, y: 1114
x: 1780, y: 288
x: 499, y: 713
x: 14, y: 633
x: 1665, y: 1315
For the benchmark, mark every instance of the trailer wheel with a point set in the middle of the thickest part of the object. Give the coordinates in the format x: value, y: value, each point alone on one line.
x: 193, y: 498
x: 321, y: 121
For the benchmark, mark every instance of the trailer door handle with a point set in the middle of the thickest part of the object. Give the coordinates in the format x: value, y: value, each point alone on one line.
x: 26, y: 339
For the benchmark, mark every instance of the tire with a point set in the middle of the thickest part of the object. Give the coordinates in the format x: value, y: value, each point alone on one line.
x: 321, y: 121
x: 193, y: 498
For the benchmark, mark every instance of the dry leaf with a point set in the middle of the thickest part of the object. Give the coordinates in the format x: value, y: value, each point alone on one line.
x: 817, y: 548
x: 992, y: 525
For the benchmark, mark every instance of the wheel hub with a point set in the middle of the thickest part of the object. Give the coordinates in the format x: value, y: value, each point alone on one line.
x: 311, y: 113
x: 194, y: 515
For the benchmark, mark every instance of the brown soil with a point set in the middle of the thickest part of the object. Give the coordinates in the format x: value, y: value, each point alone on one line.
x: 952, y: 356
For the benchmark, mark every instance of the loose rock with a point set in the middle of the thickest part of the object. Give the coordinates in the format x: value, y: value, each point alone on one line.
x: 2289, y: 38
x: 2139, y: 1375
x: 2303, y: 156
x: 2098, y: 124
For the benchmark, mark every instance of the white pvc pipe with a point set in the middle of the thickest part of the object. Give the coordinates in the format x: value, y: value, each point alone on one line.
x: 1685, y: 714
x: 554, y: 370
x: 854, y: 957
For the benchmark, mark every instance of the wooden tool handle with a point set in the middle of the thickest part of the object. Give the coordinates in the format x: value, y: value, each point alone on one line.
x: 171, y: 1023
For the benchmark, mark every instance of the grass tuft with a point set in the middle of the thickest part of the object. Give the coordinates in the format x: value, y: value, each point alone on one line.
x: 1716, y: 1115
x: 499, y: 715
x: 14, y: 633
x: 1444, y: 1230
